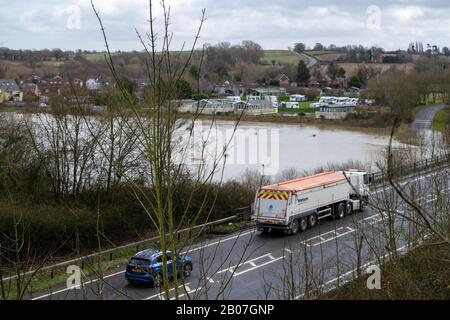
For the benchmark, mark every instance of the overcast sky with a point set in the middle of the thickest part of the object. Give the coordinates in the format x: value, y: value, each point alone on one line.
x: 275, y: 24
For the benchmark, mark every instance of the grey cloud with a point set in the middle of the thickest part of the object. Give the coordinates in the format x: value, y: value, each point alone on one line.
x: 274, y: 24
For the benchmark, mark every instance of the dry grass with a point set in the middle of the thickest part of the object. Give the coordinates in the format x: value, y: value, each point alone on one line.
x: 423, y: 274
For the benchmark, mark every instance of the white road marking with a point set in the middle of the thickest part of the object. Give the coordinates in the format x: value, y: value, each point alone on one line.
x: 78, y: 287
x: 257, y: 267
x: 337, y: 237
x: 123, y: 272
x: 161, y: 294
x: 184, y: 294
x: 251, y: 232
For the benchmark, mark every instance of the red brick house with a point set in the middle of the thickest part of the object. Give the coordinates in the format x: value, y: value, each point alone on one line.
x: 284, y: 81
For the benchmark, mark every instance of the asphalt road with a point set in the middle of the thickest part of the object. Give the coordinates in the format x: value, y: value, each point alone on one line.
x: 311, y: 60
x: 251, y: 266
x: 425, y: 116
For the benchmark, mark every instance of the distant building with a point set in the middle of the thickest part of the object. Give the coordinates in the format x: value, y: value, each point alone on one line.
x: 228, y: 89
x: 314, y: 84
x: 298, y: 98
x: 77, y: 83
x: 92, y: 84
x: 56, y: 81
x: 30, y: 89
x: 335, y: 112
x: 270, y: 91
x: 213, y: 106
x: 284, y: 81
x: 10, y: 91
x: 216, y: 106
x: 290, y: 105
x: 256, y: 107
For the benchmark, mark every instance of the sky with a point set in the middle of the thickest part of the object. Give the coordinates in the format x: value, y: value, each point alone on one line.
x: 275, y: 24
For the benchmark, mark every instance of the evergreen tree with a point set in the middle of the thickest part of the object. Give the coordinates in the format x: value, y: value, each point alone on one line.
x: 303, y: 74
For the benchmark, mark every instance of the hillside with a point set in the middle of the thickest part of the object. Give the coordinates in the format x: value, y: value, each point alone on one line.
x: 281, y: 57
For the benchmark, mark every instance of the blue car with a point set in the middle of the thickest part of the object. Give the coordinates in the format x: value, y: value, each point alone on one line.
x: 146, y: 267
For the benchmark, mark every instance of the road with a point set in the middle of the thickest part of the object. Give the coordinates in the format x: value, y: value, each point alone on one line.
x: 311, y: 60
x: 252, y: 266
x: 425, y: 116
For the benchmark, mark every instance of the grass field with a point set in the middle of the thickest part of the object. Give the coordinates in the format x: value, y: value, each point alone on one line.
x: 281, y: 57
x: 304, y: 108
x: 99, y: 56
x: 319, y: 53
x: 441, y: 121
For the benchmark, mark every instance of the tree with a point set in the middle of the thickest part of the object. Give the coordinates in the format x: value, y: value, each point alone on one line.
x: 446, y: 51
x: 340, y: 72
x: 331, y: 71
x: 355, y: 82
x: 299, y: 47
x: 274, y: 83
x: 195, y: 72
x: 303, y: 74
x: 127, y: 84
x: 184, y: 89
x: 318, y: 47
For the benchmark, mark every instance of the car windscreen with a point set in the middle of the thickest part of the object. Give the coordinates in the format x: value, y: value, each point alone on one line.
x: 139, y: 262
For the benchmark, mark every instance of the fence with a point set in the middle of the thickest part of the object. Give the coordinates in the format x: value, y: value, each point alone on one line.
x: 378, y: 177
x: 240, y: 214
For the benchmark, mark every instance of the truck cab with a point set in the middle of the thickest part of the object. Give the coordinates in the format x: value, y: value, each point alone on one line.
x: 359, y: 184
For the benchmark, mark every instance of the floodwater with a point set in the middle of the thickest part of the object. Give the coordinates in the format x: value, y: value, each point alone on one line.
x: 269, y: 148
x: 273, y: 148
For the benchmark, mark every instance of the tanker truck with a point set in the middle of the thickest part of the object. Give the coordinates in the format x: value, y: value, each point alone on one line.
x: 294, y: 206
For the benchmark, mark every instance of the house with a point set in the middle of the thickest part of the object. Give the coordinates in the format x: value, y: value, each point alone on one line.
x: 269, y: 91
x: 255, y: 107
x: 297, y: 98
x: 10, y: 91
x: 213, y: 106
x: 228, y: 89
x: 92, y: 84
x: 335, y: 112
x: 234, y: 99
x: 77, y: 83
x: 339, y: 82
x: 29, y: 88
x: 284, y: 81
x: 46, y: 89
x: 290, y: 105
x: 55, y: 81
x: 314, y: 84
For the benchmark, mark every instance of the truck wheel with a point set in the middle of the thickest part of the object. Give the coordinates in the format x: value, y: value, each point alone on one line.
x: 349, y: 209
x: 303, y: 224
x: 294, y: 227
x: 312, y: 221
x: 341, y: 211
